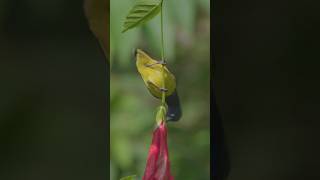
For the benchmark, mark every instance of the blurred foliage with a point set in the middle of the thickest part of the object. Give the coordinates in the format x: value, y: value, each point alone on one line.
x: 133, y: 109
x: 133, y: 177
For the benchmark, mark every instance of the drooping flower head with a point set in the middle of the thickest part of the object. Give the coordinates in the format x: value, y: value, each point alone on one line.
x: 158, y: 164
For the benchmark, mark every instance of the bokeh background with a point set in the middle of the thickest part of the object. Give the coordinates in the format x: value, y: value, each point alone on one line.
x: 187, y: 48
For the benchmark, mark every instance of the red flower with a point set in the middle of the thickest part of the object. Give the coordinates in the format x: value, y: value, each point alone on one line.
x: 158, y: 165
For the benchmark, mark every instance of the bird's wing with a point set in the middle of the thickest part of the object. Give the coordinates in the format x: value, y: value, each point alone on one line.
x: 154, y: 89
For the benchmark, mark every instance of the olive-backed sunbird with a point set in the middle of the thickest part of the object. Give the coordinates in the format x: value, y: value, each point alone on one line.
x: 151, y: 73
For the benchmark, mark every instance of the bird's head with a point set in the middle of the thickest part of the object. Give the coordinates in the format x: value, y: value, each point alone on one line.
x: 141, y: 56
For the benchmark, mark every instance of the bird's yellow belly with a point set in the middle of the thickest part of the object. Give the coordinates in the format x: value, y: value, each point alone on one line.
x: 157, y: 80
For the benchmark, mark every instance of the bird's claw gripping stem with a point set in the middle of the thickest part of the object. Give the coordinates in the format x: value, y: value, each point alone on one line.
x: 163, y: 89
x: 163, y: 62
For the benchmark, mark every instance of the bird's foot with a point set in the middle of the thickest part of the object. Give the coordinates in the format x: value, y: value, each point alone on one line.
x: 163, y: 90
x: 163, y: 62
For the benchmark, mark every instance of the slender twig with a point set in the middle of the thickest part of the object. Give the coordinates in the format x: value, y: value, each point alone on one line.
x: 163, y: 99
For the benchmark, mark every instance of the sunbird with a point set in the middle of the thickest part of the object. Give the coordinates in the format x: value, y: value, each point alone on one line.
x: 151, y: 73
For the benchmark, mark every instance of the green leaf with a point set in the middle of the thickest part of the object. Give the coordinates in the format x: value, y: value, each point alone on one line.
x: 142, y: 11
x: 133, y: 177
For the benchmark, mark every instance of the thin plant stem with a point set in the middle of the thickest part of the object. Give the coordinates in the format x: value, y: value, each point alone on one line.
x: 162, y: 41
x: 163, y: 99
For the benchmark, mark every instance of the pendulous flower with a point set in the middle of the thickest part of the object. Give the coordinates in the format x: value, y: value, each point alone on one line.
x: 158, y: 164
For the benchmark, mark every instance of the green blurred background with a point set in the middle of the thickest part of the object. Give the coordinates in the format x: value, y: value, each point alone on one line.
x: 187, y: 49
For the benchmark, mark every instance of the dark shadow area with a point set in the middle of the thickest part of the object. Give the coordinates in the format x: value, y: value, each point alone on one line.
x: 221, y: 162
x: 54, y: 90
x: 267, y: 61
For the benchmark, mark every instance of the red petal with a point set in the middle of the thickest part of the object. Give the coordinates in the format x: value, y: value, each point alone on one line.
x: 158, y: 164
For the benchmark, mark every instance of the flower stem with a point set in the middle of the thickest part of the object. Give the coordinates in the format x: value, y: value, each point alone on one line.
x: 163, y: 99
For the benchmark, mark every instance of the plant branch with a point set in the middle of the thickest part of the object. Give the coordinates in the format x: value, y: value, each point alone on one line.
x: 163, y: 99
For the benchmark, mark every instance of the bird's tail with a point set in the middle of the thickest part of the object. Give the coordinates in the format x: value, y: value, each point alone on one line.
x: 174, y: 109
